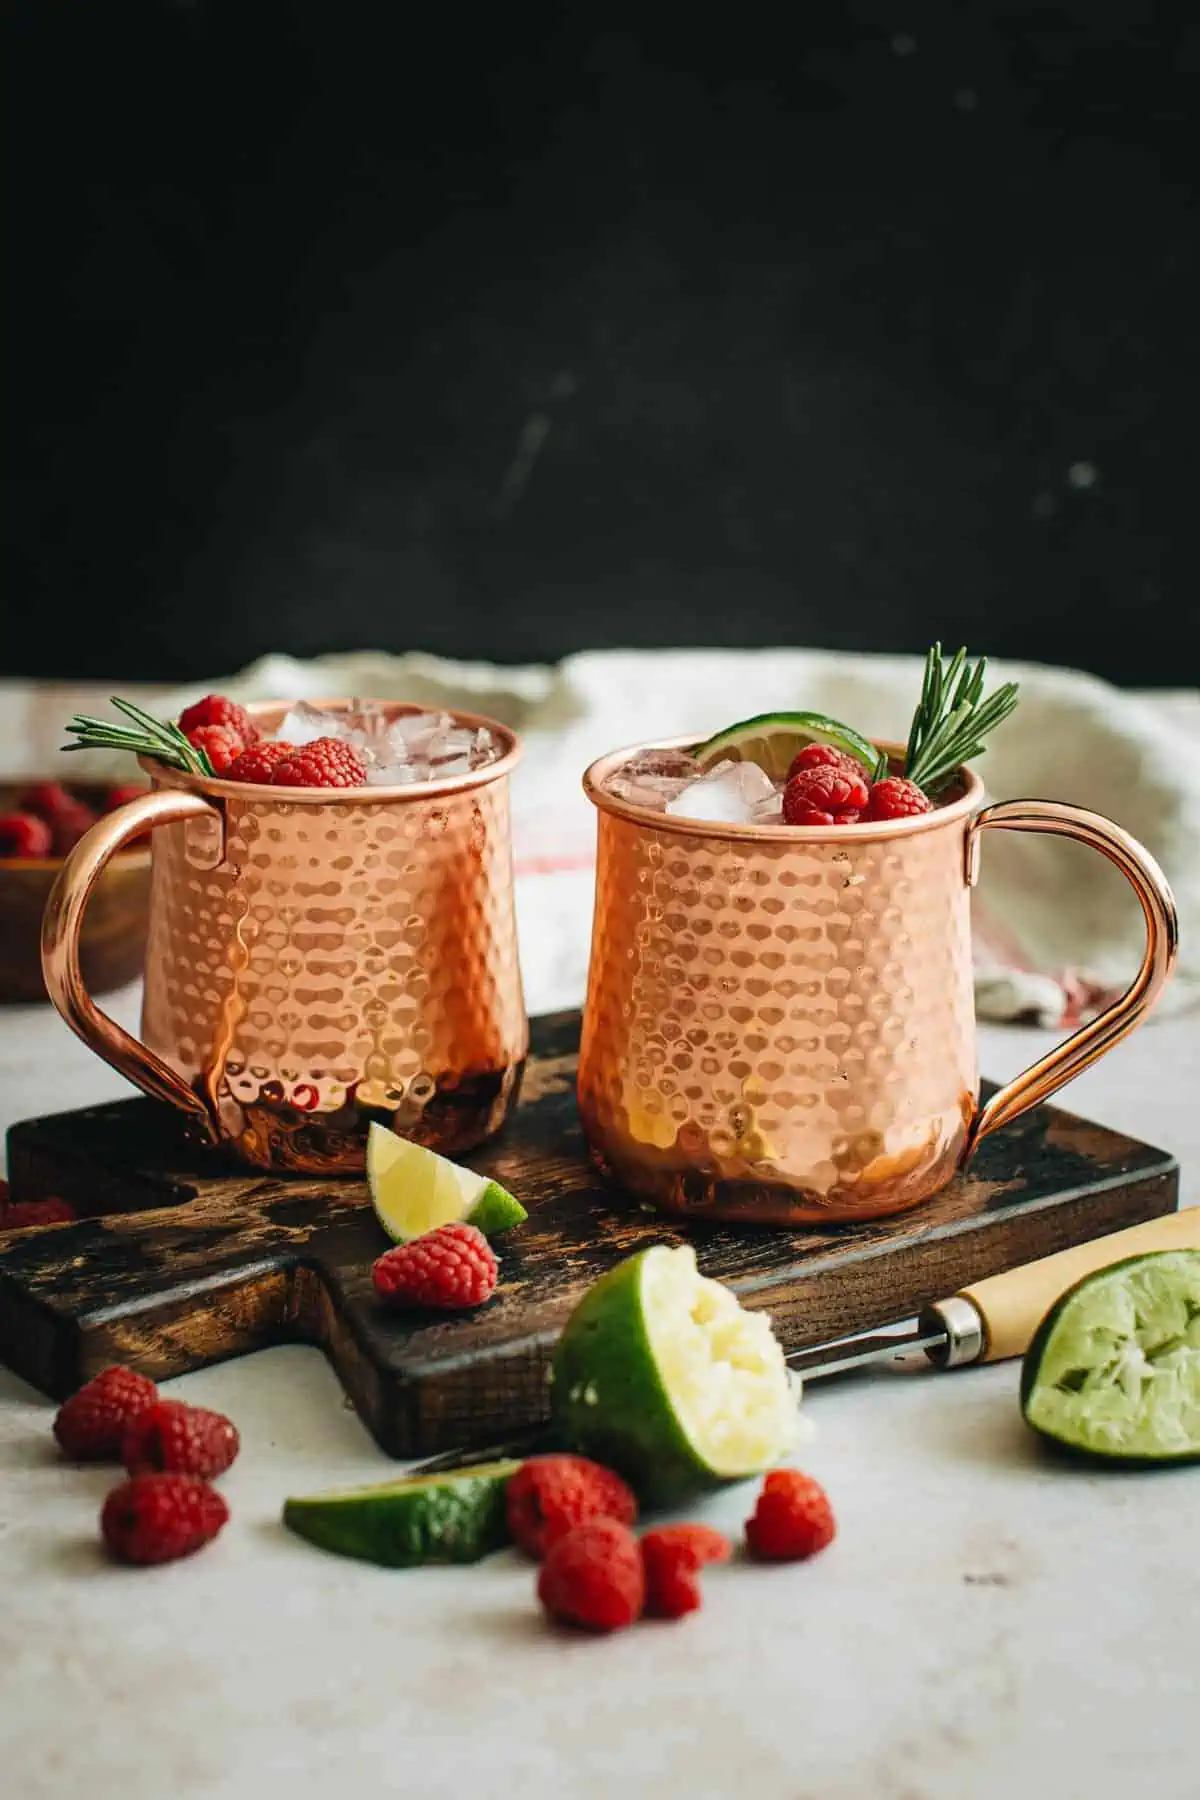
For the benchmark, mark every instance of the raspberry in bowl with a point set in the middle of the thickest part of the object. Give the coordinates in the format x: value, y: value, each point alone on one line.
x: 40, y: 823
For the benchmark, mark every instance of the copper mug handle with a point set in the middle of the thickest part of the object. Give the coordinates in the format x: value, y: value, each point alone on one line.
x: 61, y: 925
x: 1135, y: 862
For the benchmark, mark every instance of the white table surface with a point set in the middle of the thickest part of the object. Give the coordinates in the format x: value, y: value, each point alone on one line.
x: 986, y: 1626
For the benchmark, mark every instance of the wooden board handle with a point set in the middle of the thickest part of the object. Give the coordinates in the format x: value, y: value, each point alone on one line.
x: 1013, y: 1305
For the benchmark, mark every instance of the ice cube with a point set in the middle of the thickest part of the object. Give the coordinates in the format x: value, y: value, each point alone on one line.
x: 305, y: 723
x: 390, y: 774
x: 652, y: 777
x: 730, y: 794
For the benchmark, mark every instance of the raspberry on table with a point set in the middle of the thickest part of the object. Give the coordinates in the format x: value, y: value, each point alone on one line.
x: 593, y: 1577
x: 23, y: 835
x: 673, y: 1556
x: 326, y: 762
x: 45, y: 799
x: 258, y: 762
x: 91, y: 1425
x: 896, y: 798
x: 189, y: 1440
x: 121, y: 796
x: 221, y: 745
x: 157, y: 1518
x: 792, y: 1520
x: 549, y: 1495
x: 215, y: 709
x: 825, y: 756
x: 51, y: 1211
x: 450, y: 1268
x: 824, y: 796
x: 69, y: 825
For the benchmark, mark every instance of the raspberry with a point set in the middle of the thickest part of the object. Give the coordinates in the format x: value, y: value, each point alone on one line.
x: 221, y: 746
x: 673, y: 1557
x: 593, y: 1577
x: 188, y: 1440
x: 46, y: 799
x: 121, y: 796
x: 156, y: 1518
x: 92, y: 1423
x: 824, y: 796
x: 824, y: 756
x: 896, y: 798
x: 215, y: 709
x: 259, y: 762
x: 23, y: 835
x: 549, y: 1495
x: 793, y: 1518
x: 451, y: 1267
x: 36, y: 1212
x: 326, y: 762
x: 70, y: 825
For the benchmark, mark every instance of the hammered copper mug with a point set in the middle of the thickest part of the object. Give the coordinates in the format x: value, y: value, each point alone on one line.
x: 317, y: 959
x: 780, y: 1020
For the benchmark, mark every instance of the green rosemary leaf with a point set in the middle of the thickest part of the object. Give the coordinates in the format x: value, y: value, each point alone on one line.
x: 952, y: 718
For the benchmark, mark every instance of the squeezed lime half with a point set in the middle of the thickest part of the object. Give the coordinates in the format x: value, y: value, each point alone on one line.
x: 1114, y: 1368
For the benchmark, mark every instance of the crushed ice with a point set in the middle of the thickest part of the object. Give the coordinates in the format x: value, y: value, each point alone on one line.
x: 416, y: 746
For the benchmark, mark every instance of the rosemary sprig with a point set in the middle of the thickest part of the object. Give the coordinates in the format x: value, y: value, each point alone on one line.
x: 952, y: 718
x: 143, y: 736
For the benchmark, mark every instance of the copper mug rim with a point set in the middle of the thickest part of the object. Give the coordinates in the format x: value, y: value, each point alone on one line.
x: 598, y: 772
x: 271, y: 712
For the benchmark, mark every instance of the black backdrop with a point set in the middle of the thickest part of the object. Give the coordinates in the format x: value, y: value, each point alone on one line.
x: 341, y: 325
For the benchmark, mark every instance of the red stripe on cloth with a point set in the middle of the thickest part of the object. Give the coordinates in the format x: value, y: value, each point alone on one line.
x: 554, y: 865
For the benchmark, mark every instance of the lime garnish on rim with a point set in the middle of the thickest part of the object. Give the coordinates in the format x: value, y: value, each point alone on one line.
x: 773, y: 740
x: 1114, y: 1369
x: 414, y: 1190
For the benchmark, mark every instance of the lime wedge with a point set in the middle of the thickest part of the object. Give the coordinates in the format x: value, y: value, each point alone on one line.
x: 661, y: 1375
x: 401, y: 1524
x: 1114, y: 1369
x: 414, y: 1190
x: 772, y: 740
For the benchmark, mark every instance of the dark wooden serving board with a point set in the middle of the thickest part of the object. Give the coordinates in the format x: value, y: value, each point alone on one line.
x: 183, y: 1261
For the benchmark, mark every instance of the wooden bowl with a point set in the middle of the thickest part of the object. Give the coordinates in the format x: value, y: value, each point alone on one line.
x: 113, y: 945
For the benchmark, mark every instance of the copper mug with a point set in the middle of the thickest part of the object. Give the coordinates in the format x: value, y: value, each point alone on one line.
x: 316, y: 959
x: 780, y: 1020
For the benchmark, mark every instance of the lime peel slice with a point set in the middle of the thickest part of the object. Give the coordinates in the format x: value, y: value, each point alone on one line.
x: 1114, y: 1368
x: 414, y: 1190
x: 773, y: 740
x: 403, y: 1524
x: 661, y: 1375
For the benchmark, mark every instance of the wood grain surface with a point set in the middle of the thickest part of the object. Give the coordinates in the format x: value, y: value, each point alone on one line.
x: 181, y: 1261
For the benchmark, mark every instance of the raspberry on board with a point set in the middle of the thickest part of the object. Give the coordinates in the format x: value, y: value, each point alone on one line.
x: 69, y: 825
x: 792, y: 1520
x: 825, y: 756
x: 45, y: 799
x: 673, y: 1556
x: 326, y: 762
x: 593, y: 1577
x: 24, y: 835
x: 51, y: 1211
x: 549, y: 1495
x: 91, y: 1425
x: 215, y: 709
x: 896, y: 798
x: 158, y: 1518
x: 121, y: 796
x: 221, y: 746
x: 187, y: 1439
x: 451, y: 1268
x: 258, y: 762
x: 824, y: 796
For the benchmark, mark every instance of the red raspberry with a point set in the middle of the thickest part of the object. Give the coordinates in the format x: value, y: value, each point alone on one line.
x: 92, y: 1424
x: 896, y: 798
x: 824, y: 796
x: 549, y: 1495
x: 593, y: 1577
x: 24, y: 836
x: 46, y: 799
x: 156, y: 1518
x: 793, y: 1518
x: 259, y: 762
x: 217, y: 710
x: 326, y: 762
x: 451, y: 1267
x: 824, y: 756
x: 70, y: 825
x: 673, y: 1557
x: 121, y: 796
x: 35, y: 1212
x: 221, y: 746
x: 188, y: 1440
